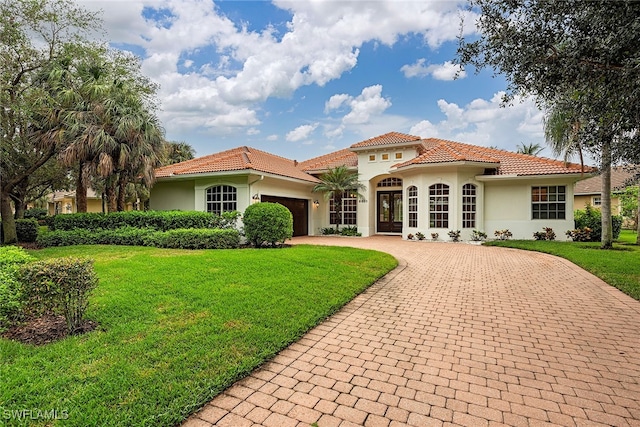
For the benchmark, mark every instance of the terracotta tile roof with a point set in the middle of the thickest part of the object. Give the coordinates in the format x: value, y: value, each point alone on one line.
x: 387, y: 139
x: 433, y: 151
x: 344, y: 157
x: 593, y: 185
x: 236, y: 159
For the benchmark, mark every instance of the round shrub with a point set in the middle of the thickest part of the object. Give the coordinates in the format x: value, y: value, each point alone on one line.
x: 267, y: 223
x: 12, y: 258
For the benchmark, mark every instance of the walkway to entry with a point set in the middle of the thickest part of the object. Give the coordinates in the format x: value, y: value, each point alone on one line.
x: 458, y: 334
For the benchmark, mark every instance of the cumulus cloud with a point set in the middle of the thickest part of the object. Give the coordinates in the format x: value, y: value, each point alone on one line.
x: 486, y: 122
x: 301, y: 133
x: 321, y: 41
x: 361, y: 108
x: 446, y: 71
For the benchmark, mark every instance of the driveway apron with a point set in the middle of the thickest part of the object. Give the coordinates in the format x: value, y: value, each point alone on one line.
x: 456, y: 335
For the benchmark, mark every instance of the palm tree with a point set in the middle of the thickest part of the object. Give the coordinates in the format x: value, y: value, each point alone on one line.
x: 532, y: 149
x: 176, y: 152
x: 561, y: 130
x: 334, y: 184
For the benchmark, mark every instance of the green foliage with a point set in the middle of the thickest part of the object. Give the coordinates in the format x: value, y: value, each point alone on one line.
x: 129, y: 236
x: 592, y: 218
x: 194, y: 239
x: 11, y: 259
x: 580, y: 234
x: 334, y: 183
x: 454, y: 235
x: 547, y: 234
x: 267, y: 223
x: 157, y: 220
x: 59, y: 286
x: 629, y: 202
x: 503, y: 234
x: 350, y: 231
x: 27, y: 230
x: 36, y: 213
x: 478, y: 236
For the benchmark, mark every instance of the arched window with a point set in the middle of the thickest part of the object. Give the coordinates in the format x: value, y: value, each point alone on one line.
x: 412, y: 197
x: 390, y: 182
x: 468, y: 206
x: 439, y: 206
x: 222, y: 198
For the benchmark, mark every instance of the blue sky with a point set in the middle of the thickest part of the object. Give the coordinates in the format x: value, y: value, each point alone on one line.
x: 303, y: 78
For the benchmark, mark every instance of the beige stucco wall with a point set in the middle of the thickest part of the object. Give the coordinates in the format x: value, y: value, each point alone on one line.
x: 172, y: 195
x: 508, y: 206
x: 455, y: 177
x: 191, y: 194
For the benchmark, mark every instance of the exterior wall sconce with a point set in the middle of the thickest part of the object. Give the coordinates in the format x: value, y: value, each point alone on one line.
x: 316, y: 203
x: 256, y: 196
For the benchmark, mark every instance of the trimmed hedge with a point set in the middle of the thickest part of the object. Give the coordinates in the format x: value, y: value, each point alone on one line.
x: 36, y: 213
x: 205, y: 238
x: 128, y: 236
x: 267, y: 223
x: 216, y: 238
x: 157, y: 220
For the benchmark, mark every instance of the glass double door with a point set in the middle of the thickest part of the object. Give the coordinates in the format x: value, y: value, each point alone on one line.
x: 389, y: 212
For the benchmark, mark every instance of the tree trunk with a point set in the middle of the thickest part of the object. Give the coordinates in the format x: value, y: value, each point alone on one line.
x: 81, y: 190
x: 337, y: 204
x: 110, y: 190
x: 122, y: 192
x: 8, y: 223
x: 606, y: 241
x: 638, y: 218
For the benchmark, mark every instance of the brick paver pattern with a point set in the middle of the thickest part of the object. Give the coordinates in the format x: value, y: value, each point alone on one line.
x: 457, y: 335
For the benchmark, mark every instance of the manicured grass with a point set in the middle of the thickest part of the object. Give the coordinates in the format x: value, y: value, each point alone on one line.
x: 177, y: 327
x: 620, y: 266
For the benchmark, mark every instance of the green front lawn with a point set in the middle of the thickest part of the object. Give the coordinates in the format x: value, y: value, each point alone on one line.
x: 177, y: 327
x: 619, y: 266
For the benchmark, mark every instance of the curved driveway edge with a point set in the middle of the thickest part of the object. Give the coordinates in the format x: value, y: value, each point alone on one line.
x: 458, y: 334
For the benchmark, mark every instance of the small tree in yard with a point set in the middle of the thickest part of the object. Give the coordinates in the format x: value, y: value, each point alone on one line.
x: 334, y: 183
x: 59, y: 286
x: 270, y: 223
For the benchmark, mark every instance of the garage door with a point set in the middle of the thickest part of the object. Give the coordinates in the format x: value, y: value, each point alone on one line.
x: 299, y: 209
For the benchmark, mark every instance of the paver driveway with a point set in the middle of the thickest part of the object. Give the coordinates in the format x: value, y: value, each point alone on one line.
x: 458, y: 334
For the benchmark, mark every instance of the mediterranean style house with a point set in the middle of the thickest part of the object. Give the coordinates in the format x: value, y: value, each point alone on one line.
x: 410, y: 184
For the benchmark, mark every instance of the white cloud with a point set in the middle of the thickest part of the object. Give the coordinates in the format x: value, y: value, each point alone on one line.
x: 487, y: 122
x: 272, y: 137
x: 253, y: 131
x: 321, y: 42
x: 369, y: 103
x: 446, y: 71
x: 301, y: 133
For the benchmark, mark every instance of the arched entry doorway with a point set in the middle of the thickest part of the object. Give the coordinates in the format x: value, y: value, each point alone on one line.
x: 389, y: 206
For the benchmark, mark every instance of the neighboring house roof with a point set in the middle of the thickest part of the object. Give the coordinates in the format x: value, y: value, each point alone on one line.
x: 237, y: 159
x: 593, y: 185
x: 434, y: 151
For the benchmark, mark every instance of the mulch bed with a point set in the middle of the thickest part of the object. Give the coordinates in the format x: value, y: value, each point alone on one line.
x: 45, y: 329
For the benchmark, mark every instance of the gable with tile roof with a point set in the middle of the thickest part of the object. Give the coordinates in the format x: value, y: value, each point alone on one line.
x: 412, y: 185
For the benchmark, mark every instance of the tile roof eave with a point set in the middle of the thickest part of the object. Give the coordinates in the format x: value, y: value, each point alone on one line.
x: 246, y: 171
x: 444, y: 163
x: 506, y: 177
